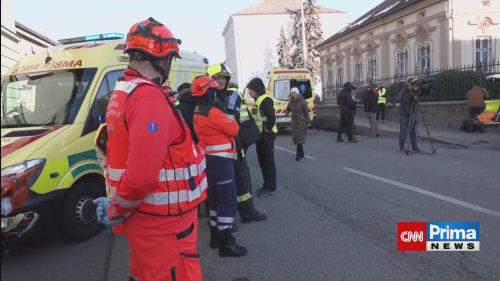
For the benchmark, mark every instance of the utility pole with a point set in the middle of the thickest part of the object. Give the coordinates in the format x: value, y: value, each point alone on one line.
x: 304, y: 45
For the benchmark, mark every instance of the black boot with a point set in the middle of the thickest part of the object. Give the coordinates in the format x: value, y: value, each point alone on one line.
x: 248, y: 213
x: 256, y: 216
x: 214, y: 237
x: 228, y: 246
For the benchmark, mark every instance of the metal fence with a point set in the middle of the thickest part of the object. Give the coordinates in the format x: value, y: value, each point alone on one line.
x: 452, y: 84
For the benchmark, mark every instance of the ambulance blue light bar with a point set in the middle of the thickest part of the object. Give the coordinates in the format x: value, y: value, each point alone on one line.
x: 97, y: 37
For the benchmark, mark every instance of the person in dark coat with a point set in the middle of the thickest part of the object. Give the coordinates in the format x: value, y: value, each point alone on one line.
x: 300, y: 120
x: 186, y: 104
x: 346, y: 108
x: 371, y: 107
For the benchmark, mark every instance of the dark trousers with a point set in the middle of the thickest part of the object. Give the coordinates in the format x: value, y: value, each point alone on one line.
x: 265, y: 154
x: 246, y: 208
x: 381, y: 108
x: 221, y: 197
x: 475, y: 111
x: 346, y: 124
x: 404, y: 124
x: 300, y: 151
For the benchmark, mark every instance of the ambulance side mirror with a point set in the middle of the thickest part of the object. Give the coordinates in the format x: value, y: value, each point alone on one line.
x: 101, y: 140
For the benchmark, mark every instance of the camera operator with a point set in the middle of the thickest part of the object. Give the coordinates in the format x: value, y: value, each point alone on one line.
x: 406, y: 98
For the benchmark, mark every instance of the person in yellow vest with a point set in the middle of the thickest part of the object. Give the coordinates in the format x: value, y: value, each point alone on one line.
x: 382, y: 100
x: 265, y: 117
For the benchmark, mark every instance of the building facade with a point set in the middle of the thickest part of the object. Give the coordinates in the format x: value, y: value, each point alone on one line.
x: 18, y: 40
x: 31, y: 41
x: 10, y: 40
x: 411, y: 37
x: 251, y: 35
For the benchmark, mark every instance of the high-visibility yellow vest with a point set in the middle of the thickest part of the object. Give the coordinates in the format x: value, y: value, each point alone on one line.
x: 381, y: 96
x: 256, y: 114
x: 244, y: 116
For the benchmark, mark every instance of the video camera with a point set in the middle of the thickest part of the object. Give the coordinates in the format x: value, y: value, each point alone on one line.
x: 421, y: 87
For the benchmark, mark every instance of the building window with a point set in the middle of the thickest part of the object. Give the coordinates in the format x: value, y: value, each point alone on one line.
x: 372, y: 69
x: 402, y: 65
x: 358, y: 73
x: 483, y: 53
x: 329, y: 80
x: 424, y: 60
x: 340, y: 76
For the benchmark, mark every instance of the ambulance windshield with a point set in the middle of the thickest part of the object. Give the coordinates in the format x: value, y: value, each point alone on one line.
x: 282, y: 88
x: 44, y: 98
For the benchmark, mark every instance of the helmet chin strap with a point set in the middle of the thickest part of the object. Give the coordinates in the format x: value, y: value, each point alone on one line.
x: 163, y: 71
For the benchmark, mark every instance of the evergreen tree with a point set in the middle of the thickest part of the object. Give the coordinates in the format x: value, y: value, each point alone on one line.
x: 269, y: 60
x: 283, y: 51
x: 314, y: 36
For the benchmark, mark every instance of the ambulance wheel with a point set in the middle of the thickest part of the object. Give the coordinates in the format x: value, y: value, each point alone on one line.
x: 79, y: 220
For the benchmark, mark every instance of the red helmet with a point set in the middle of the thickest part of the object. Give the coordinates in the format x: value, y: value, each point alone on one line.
x: 201, y: 84
x: 153, y: 38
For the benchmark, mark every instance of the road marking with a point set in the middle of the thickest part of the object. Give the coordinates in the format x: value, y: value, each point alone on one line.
x: 425, y: 192
x: 293, y: 152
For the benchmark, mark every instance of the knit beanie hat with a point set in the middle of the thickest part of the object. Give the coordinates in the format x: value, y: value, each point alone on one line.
x: 295, y: 89
x: 257, y: 85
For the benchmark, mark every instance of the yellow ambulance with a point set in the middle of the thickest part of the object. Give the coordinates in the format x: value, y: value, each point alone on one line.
x: 51, y: 105
x: 279, y: 82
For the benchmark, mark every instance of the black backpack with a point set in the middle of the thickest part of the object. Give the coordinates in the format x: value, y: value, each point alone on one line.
x: 469, y: 126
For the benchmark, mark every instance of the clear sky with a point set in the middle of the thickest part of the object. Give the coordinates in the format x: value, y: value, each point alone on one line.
x: 198, y: 23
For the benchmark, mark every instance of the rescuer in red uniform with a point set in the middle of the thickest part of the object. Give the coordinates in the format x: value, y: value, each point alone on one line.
x: 154, y: 170
x: 216, y: 132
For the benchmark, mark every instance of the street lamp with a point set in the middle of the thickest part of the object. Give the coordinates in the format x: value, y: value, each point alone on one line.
x: 304, y: 46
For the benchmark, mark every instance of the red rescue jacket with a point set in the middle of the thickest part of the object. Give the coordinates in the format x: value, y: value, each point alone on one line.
x: 153, y: 165
x: 215, y: 130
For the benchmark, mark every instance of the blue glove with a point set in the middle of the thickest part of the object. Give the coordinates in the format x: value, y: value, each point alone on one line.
x: 102, y: 212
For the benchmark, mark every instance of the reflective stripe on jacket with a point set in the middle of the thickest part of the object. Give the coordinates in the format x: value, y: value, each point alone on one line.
x: 181, y: 184
x: 215, y: 130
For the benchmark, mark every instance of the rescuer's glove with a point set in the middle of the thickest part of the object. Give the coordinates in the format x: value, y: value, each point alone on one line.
x: 102, y: 212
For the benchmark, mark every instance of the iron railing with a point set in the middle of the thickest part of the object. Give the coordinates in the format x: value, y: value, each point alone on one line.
x: 452, y: 84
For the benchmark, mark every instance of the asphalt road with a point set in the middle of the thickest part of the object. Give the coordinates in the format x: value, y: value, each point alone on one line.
x: 334, y: 217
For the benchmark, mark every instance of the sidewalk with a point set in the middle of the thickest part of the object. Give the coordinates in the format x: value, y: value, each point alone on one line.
x: 448, y: 136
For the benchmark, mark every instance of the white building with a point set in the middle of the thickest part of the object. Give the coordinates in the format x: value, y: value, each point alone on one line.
x: 31, y: 42
x: 251, y: 35
x: 401, y: 37
x: 18, y: 40
x: 10, y: 52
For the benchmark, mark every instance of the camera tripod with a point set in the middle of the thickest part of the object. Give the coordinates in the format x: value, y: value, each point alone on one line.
x: 411, y: 128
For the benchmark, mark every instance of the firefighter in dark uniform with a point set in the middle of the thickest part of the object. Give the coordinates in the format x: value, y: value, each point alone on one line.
x: 235, y: 107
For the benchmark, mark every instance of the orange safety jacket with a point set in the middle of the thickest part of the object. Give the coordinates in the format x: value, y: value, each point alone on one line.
x: 181, y: 184
x: 215, y: 130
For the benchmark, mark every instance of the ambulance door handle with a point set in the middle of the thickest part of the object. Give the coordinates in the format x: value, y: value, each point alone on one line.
x: 54, y: 175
